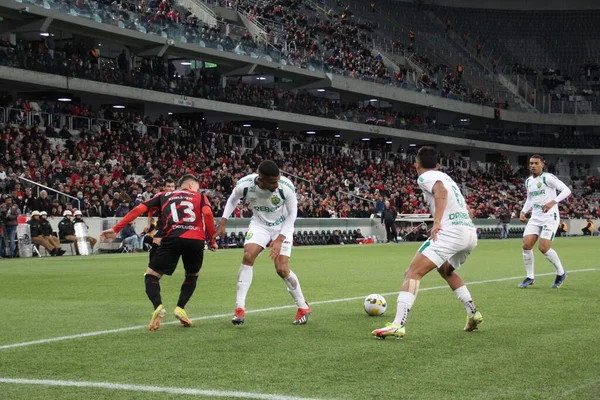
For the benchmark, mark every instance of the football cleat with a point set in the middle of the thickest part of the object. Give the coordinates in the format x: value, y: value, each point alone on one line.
x: 473, y: 321
x: 560, y: 279
x: 238, y: 316
x: 526, y: 282
x: 181, y: 315
x: 157, y: 316
x: 302, y: 316
x: 390, y: 330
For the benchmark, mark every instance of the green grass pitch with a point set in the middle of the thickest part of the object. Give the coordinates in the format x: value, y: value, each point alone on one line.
x: 535, y: 343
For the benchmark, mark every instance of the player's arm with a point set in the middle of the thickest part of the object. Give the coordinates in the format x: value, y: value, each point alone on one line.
x: 440, y: 198
x: 150, y: 220
x: 291, y: 212
x: 129, y: 217
x: 232, y: 202
x: 562, y: 188
x: 527, y: 207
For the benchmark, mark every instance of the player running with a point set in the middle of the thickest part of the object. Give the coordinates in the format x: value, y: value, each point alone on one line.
x: 545, y: 217
x: 186, y: 215
x: 274, y: 206
x: 168, y: 187
x: 453, y: 238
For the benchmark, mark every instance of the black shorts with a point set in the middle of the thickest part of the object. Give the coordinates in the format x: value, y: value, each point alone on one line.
x: 167, y: 256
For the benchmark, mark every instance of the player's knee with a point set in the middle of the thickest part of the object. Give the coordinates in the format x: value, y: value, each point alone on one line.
x: 544, y: 247
x: 249, y: 258
x: 527, y: 246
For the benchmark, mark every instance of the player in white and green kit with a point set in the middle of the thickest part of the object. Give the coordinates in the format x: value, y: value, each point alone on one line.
x: 542, y: 201
x: 274, y: 205
x: 453, y: 238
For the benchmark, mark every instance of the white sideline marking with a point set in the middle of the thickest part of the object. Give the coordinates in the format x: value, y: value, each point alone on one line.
x: 261, y: 310
x: 154, y: 389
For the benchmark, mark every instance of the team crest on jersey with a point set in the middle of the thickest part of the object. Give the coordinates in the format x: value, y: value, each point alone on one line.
x: 275, y: 200
x: 539, y: 184
x: 249, y: 235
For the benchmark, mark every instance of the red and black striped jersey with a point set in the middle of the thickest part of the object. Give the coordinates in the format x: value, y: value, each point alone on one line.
x: 183, y: 213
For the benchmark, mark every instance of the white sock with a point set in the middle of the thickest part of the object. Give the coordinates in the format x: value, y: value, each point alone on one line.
x: 463, y: 294
x: 244, y: 281
x: 405, y: 303
x: 293, y: 285
x: 528, y: 260
x: 552, y: 256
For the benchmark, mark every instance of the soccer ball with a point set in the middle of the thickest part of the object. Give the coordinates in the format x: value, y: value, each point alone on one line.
x: 375, y: 305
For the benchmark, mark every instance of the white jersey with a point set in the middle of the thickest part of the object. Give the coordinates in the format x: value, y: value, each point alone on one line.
x: 456, y: 214
x: 541, y: 190
x: 276, y: 210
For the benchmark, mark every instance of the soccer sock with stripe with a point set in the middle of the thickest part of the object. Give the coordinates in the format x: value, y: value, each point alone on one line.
x: 405, y: 303
x: 245, y: 274
x: 293, y: 285
x: 463, y: 294
x: 187, y: 290
x: 153, y: 289
x: 552, y: 256
x: 528, y: 260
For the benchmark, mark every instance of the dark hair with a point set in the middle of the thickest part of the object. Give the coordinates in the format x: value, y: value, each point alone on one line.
x: 168, y: 180
x: 268, y: 168
x: 185, y: 178
x: 539, y: 157
x: 427, y: 157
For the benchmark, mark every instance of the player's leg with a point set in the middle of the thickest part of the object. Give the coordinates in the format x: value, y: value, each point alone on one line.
x: 192, y: 256
x: 457, y: 284
x: 530, y: 236
x: 545, y: 246
x: 163, y: 263
x: 423, y: 262
x: 256, y: 240
x: 291, y: 280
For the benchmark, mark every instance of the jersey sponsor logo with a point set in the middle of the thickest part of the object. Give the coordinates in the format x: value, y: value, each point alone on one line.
x: 249, y: 235
x: 265, y: 209
x: 276, y: 222
x: 275, y: 200
x: 458, y: 215
x: 539, y: 184
x: 536, y: 193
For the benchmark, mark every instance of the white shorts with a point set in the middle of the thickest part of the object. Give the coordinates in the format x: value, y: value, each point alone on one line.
x: 452, y: 246
x: 544, y: 230
x: 262, y: 235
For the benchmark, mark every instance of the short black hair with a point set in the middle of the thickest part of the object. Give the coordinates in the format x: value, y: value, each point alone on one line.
x: 268, y: 168
x: 539, y: 157
x: 168, y: 180
x: 427, y: 156
x: 185, y: 178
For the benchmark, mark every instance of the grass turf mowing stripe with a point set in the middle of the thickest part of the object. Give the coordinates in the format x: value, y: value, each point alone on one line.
x: 130, y: 328
x: 154, y: 389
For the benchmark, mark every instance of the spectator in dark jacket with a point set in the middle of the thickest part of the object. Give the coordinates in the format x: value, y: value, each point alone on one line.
x: 388, y: 217
x: 37, y: 235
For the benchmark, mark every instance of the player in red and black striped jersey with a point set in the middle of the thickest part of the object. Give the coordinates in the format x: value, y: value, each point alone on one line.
x: 169, y: 186
x: 188, y: 219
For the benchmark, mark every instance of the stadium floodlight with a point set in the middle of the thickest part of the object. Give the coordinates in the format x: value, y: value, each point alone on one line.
x: 118, y: 106
x: 64, y: 99
x: 412, y: 145
x: 186, y: 63
x: 311, y: 132
x: 45, y: 34
x: 389, y: 141
x: 365, y: 139
x: 338, y: 135
x: 373, y: 100
x: 170, y: 113
x: 261, y: 78
x: 246, y: 125
x: 320, y: 90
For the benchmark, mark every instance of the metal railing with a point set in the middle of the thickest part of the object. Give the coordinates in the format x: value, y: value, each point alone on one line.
x: 44, y: 187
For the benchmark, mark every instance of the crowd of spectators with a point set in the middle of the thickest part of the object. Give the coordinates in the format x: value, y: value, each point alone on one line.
x: 109, y: 172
